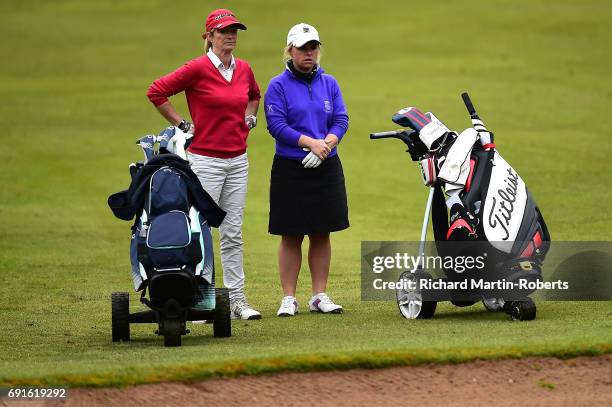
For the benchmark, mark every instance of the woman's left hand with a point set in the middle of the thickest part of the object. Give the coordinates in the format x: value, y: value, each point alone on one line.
x: 331, y: 140
x: 251, y: 121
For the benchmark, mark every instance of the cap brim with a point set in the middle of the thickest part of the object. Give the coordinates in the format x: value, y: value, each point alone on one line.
x: 226, y: 24
x: 301, y: 43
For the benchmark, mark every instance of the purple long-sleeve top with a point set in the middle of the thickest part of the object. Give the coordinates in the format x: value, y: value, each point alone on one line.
x: 294, y: 107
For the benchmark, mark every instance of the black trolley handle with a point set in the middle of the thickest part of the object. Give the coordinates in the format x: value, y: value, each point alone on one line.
x: 384, y: 134
x: 402, y: 134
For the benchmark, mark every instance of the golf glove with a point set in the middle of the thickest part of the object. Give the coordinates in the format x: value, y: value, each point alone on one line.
x: 251, y: 121
x: 311, y: 160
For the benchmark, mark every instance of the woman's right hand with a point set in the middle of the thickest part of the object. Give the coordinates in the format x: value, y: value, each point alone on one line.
x: 318, y: 147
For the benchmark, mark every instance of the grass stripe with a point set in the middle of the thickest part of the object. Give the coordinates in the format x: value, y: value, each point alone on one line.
x: 306, y: 363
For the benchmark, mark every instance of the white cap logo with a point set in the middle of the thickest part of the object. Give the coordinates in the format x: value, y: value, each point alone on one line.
x: 302, y: 33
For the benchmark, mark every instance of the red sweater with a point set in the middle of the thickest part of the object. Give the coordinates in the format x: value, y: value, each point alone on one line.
x: 216, y: 106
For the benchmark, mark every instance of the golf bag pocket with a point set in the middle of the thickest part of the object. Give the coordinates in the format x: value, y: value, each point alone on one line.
x: 139, y: 275
x: 169, y: 231
x: 205, y: 266
x: 169, y: 243
x: 167, y: 192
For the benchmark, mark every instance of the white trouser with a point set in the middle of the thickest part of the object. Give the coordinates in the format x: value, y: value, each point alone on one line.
x: 225, y: 180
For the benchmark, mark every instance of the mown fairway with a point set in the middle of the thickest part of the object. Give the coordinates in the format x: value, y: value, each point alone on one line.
x: 73, y: 82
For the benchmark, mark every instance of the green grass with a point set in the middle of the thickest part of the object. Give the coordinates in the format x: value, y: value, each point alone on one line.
x: 373, y: 335
x: 546, y: 385
x: 73, y: 84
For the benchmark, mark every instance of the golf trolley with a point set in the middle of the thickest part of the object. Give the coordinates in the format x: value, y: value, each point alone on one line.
x: 171, y: 246
x: 490, y: 208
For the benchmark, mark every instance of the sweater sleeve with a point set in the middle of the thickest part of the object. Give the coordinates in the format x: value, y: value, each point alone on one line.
x: 339, y: 117
x: 276, y: 116
x: 173, y: 83
x: 254, y: 93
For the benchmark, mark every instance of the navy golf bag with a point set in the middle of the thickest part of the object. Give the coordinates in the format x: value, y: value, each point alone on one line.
x: 171, y: 250
x: 171, y: 246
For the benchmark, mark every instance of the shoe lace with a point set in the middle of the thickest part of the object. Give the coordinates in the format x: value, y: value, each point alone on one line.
x: 325, y: 299
x: 241, y: 305
x: 287, y: 302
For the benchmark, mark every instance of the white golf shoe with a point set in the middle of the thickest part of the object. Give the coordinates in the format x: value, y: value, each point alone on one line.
x: 322, y: 303
x: 288, y: 307
x: 493, y: 304
x: 242, y: 310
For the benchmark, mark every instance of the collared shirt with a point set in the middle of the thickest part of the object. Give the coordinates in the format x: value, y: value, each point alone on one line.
x: 226, y: 72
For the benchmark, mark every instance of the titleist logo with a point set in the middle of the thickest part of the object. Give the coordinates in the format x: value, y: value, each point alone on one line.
x: 507, y: 198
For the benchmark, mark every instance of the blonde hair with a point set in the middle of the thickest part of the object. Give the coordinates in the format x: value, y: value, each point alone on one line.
x: 287, y: 54
x: 207, y: 44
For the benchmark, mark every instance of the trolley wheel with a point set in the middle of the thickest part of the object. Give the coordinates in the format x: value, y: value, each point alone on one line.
x: 172, y: 340
x: 120, y: 302
x: 172, y: 332
x: 410, y: 302
x: 524, y: 310
x: 222, y: 324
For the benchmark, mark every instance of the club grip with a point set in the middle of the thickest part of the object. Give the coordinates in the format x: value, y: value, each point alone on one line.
x: 383, y: 134
x: 468, y: 103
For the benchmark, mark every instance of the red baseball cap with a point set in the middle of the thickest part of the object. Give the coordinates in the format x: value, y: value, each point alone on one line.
x: 221, y: 18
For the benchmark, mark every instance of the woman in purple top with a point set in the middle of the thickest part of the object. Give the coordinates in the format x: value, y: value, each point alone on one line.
x: 307, y: 117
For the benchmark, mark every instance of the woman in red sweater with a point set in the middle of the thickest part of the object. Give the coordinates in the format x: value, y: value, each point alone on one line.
x: 223, y: 99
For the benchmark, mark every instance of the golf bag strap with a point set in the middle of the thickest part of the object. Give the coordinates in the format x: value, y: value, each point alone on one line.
x: 135, y: 225
x: 439, y: 216
x: 143, y: 298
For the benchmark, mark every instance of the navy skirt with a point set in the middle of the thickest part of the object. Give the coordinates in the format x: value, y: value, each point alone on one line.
x: 307, y: 201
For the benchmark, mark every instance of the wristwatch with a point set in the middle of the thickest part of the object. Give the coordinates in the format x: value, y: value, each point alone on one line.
x: 184, y: 126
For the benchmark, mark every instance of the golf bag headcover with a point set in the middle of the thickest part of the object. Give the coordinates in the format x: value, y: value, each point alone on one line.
x: 173, y: 140
x: 430, y: 129
x: 428, y: 169
x: 147, y: 143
